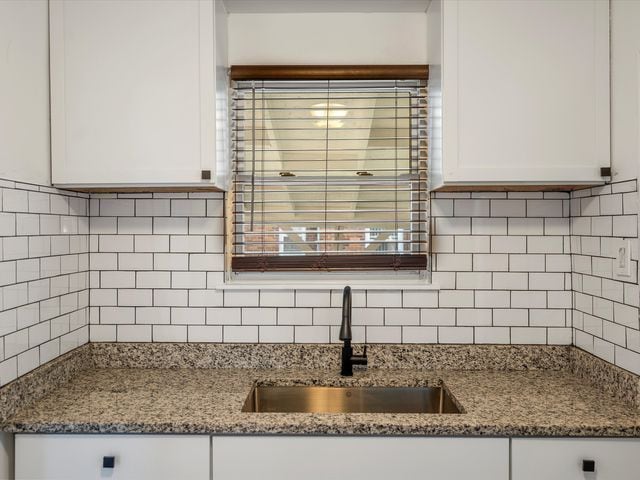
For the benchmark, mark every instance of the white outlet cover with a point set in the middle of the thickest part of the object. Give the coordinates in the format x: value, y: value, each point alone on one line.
x: 622, y: 258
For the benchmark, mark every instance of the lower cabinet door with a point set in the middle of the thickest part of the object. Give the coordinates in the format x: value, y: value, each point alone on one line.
x: 575, y: 459
x: 116, y: 457
x: 360, y: 458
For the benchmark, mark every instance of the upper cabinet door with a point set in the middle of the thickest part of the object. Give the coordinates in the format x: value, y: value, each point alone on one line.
x: 524, y: 89
x: 133, y: 93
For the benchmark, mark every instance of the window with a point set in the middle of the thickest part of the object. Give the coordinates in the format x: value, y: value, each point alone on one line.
x: 330, y: 173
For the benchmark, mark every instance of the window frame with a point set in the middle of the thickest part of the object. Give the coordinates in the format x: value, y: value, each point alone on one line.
x: 324, y: 267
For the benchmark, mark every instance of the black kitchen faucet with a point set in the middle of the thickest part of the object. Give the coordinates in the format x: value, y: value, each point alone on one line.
x: 348, y: 358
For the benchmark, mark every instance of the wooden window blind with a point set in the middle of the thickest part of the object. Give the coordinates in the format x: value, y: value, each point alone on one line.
x: 329, y: 175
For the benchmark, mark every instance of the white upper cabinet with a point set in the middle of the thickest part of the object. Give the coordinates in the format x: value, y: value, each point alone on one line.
x: 519, y: 92
x: 139, y: 94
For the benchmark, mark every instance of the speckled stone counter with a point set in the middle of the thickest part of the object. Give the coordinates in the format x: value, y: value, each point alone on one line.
x: 200, y: 388
x: 203, y: 400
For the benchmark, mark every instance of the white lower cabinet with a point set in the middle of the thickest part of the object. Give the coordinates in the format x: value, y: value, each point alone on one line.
x: 360, y: 458
x: 135, y: 457
x: 562, y: 459
x: 189, y: 457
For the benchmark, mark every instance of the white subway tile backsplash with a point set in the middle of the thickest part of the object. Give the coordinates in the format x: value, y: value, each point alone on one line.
x: 546, y: 318
x: 224, y: 316
x: 419, y: 335
x: 240, y: 334
x: 510, y: 317
x: 204, y: 334
x: 188, y: 208
x: 263, y: 316
x: 170, y: 225
x: 147, y: 279
x: 151, y: 243
x: 314, y: 298
x: 474, y: 317
x: 490, y: 249
x: 508, y: 208
x: 402, y: 316
x: 188, y: 316
x: 171, y: 298
x: 529, y: 335
x: 27, y: 224
x: 153, y: 315
x: 169, y: 333
x: 455, y: 335
x: 276, y: 334
x: 492, y: 299
x: 194, y: 280
x: 15, y: 200
x: 116, y: 207
x: 510, y: 281
x: 152, y: 207
x: 489, y: 226
x: 382, y: 298
x: 492, y: 335
x: 438, y: 316
x: 625, y: 226
x: 473, y: 280
x: 526, y: 226
x: 7, y: 226
x: 115, y: 243
x: 420, y: 298
x: 604, y: 315
x: 453, y: 226
x: 546, y: 281
x: 277, y: 298
x: 508, y: 244
x: 528, y: 299
x: 206, y: 262
x: 368, y: 316
x: 313, y: 334
x: 241, y: 298
x: 544, y: 208
x: 15, y: 247
x: 456, y: 298
x: 454, y: 262
x: 626, y: 315
x: 471, y: 208
x: 134, y: 333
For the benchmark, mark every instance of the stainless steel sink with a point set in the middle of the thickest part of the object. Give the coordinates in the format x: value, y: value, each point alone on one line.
x: 313, y: 399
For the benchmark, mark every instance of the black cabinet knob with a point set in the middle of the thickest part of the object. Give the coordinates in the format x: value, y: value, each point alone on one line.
x: 108, y: 462
x: 588, y: 466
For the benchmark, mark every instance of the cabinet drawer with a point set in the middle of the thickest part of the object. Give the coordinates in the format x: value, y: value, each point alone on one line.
x: 360, y: 458
x: 136, y: 457
x: 562, y: 458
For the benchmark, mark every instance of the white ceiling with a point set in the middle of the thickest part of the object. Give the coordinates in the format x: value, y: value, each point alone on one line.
x: 319, y: 6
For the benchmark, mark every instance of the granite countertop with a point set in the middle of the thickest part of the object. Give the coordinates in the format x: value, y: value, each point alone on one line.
x: 209, y: 400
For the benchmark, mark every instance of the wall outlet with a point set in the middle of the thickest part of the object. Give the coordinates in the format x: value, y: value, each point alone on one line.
x: 622, y: 260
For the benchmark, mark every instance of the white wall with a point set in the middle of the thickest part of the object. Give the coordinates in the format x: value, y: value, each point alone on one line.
x: 24, y: 91
x: 328, y: 38
x: 625, y: 83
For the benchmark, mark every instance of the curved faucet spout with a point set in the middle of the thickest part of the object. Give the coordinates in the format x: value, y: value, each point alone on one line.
x: 345, y: 327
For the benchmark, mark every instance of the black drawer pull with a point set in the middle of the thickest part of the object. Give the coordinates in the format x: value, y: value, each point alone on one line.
x: 108, y: 462
x: 588, y: 466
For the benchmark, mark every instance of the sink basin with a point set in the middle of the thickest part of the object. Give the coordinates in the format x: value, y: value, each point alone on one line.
x: 314, y: 399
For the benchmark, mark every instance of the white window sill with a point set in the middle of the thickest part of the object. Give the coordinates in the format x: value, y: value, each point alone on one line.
x: 329, y: 285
